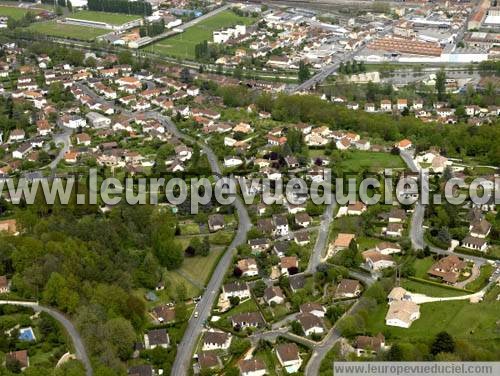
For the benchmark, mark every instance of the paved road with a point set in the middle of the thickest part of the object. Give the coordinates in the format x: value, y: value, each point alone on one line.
x: 61, y: 138
x: 321, y: 241
x: 417, y: 229
x: 81, y: 353
x: 187, y: 345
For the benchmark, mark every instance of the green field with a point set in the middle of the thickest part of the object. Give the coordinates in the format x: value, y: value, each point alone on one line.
x: 430, y: 289
x: 422, y: 266
x: 182, y: 45
x: 200, y: 268
x: 110, y: 18
x: 358, y: 160
x: 463, y: 320
x: 14, y: 12
x: 54, y: 29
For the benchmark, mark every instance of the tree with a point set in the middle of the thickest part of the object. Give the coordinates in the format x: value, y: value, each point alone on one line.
x: 259, y: 288
x: 443, y: 342
x: 303, y: 73
x: 296, y: 328
x: 70, y: 6
x: 185, y: 75
x: 441, y: 85
x: 120, y: 333
x: 395, y: 353
x: 234, y: 300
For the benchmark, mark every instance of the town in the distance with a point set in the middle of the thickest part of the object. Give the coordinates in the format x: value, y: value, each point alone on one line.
x: 315, y: 90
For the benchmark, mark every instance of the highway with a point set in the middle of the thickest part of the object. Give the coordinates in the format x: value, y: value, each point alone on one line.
x: 79, y: 348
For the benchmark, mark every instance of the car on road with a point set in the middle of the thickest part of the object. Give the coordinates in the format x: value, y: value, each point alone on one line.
x: 195, y: 314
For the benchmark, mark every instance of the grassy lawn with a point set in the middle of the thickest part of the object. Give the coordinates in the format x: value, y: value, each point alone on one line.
x: 422, y: 266
x: 482, y: 280
x: 54, y: 29
x: 365, y: 242
x: 247, y: 306
x: 200, y: 268
x: 357, y: 160
x: 14, y: 12
x: 182, y: 45
x: 430, y: 290
x: 189, y: 229
x: 463, y: 320
x: 110, y: 18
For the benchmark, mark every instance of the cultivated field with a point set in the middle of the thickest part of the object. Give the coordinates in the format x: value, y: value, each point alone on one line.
x: 109, y: 18
x: 182, y: 45
x: 54, y: 29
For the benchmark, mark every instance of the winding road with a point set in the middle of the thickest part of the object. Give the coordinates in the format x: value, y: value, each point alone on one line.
x: 81, y: 353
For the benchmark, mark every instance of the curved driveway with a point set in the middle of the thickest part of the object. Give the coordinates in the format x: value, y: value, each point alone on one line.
x: 80, y: 351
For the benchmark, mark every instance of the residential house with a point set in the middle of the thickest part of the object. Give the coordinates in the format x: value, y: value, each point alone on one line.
x: 97, y: 120
x: 216, y: 340
x: 274, y: 295
x: 388, y: 248
x: 357, y: 208
x: 209, y: 360
x: 280, y: 225
x: 474, y: 243
x: 402, y: 313
x: 313, y: 308
x: 303, y: 219
x: 4, y: 284
x: 252, y: 367
x: 401, y: 104
x: 236, y: 289
x: 397, y: 215
x: 377, y: 261
x: 83, y: 139
x: 215, y: 222
x: 164, y: 314
x: 232, y: 161
x: 480, y: 229
x: 248, y: 267
x: 9, y: 226
x: 301, y: 238
x: 386, y: 105
x: 366, y: 345
x: 394, y: 230
x: 259, y: 245
x: 348, y: 288
x: 342, y: 241
x: 287, y: 263
x: 311, y: 324
x: 16, y: 135
x: 289, y: 357
x: 448, y: 269
x: 370, y: 107
x: 404, y: 144
x: 21, y: 357
x: 248, y: 320
x: 156, y: 338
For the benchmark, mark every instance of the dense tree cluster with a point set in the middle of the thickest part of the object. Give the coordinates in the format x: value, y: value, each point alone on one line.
x: 89, y: 266
x: 142, y: 8
x: 150, y: 29
x: 456, y: 140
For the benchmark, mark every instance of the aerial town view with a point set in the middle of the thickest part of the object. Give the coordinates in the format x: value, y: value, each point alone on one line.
x: 262, y: 187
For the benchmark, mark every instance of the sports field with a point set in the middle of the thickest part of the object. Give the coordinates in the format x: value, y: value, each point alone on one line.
x: 182, y: 45
x: 14, y: 12
x: 109, y: 18
x: 54, y: 29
